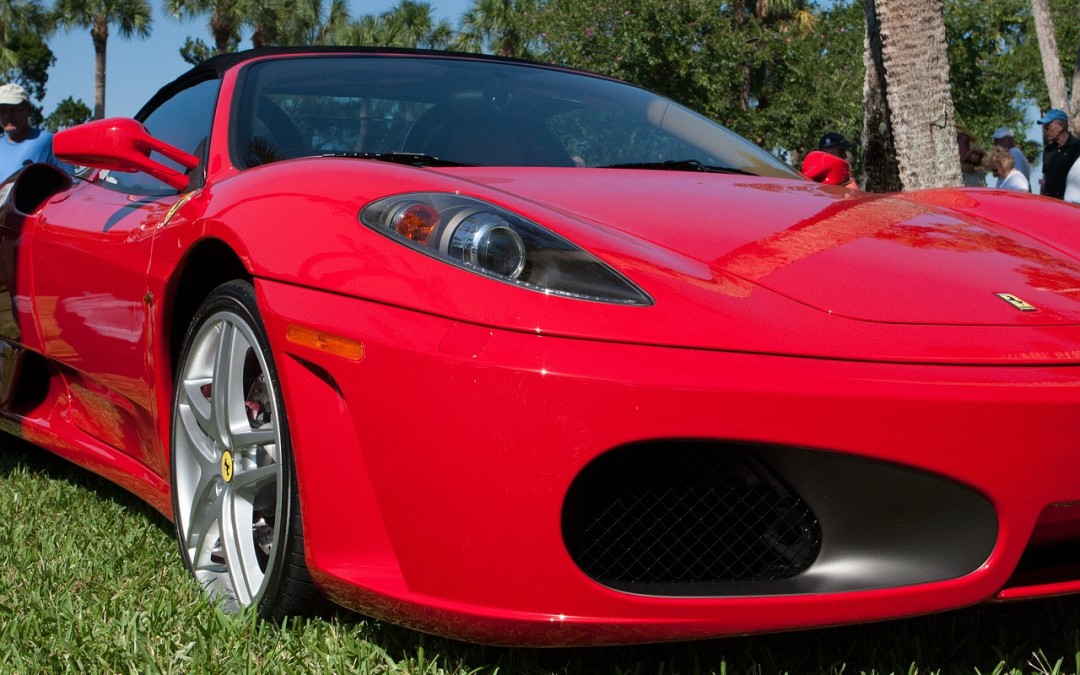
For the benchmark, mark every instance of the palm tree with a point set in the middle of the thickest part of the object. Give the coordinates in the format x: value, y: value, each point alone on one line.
x: 494, y: 24
x: 226, y: 17
x: 131, y: 17
x: 418, y: 24
x: 312, y: 22
x: 370, y: 30
x: 408, y: 24
x: 264, y: 18
x: 18, y: 16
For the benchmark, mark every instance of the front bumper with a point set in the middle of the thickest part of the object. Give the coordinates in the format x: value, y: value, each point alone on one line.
x: 435, y: 472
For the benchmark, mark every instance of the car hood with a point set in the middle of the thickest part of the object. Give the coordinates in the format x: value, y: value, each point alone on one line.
x: 902, y: 259
x: 733, y: 263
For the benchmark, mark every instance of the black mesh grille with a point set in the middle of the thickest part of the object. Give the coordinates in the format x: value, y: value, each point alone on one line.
x: 686, y: 515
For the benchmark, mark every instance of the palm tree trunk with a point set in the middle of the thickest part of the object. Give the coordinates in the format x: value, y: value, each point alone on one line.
x: 906, y: 40
x: 881, y: 173
x: 1051, y: 62
x: 222, y: 30
x: 99, y: 33
x: 1074, y: 101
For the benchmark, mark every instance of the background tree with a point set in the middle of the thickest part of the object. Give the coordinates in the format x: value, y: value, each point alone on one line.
x: 910, y: 119
x: 1048, y: 52
x: 23, y: 26
x: 497, y: 26
x: 33, y: 58
x: 408, y: 24
x: 68, y: 113
x: 131, y: 17
x: 264, y: 18
x: 990, y: 66
x: 312, y: 22
x: 369, y: 30
x: 418, y: 25
x: 1054, y: 22
x: 195, y: 51
x: 25, y: 56
x: 226, y: 17
x: 781, y: 81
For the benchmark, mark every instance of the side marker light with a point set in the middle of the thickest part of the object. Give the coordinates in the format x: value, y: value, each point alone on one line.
x: 325, y: 342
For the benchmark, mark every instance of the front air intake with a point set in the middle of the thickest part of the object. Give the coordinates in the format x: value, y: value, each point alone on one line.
x: 686, y: 519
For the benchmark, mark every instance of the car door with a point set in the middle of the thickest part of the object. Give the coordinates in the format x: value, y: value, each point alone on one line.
x: 90, y: 259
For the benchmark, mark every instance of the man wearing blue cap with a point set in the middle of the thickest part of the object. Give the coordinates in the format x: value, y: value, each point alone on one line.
x: 1060, y: 150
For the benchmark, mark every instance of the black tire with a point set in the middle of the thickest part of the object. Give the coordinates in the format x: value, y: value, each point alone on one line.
x: 234, y: 490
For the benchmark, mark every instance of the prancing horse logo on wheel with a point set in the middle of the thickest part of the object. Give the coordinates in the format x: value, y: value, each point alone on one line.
x: 227, y: 466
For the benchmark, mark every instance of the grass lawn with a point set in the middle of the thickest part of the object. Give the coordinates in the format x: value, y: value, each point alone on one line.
x: 91, y: 581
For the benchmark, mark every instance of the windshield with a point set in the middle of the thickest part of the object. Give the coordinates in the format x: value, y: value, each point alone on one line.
x: 467, y: 111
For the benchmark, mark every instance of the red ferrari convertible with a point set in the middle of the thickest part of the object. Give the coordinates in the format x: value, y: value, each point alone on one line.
x: 521, y: 355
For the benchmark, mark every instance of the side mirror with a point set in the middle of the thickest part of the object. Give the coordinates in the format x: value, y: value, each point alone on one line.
x: 121, y: 144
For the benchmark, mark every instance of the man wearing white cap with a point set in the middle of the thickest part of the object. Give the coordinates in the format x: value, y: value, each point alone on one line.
x: 1003, y: 138
x: 22, y: 144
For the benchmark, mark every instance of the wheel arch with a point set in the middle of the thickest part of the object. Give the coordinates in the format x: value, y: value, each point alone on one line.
x: 209, y: 264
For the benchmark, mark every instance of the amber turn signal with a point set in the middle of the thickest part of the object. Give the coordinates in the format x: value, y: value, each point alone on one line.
x: 416, y: 221
x: 331, y: 344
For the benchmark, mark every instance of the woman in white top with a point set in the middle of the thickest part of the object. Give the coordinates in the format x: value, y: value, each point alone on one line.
x: 1003, y: 166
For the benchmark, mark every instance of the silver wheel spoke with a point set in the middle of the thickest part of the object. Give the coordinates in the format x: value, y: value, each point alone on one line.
x: 205, y: 507
x: 248, y: 482
x: 195, y: 422
x: 237, y: 557
x: 199, y: 405
x: 202, y: 536
x: 229, y: 411
x: 249, y: 438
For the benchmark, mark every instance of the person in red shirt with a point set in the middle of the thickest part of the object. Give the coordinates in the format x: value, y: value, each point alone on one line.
x: 828, y: 164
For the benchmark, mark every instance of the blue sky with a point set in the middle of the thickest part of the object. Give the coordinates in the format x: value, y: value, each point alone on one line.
x: 137, y: 68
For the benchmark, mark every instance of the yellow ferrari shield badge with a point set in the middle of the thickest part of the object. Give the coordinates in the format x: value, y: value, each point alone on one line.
x: 1017, y: 302
x: 227, y: 466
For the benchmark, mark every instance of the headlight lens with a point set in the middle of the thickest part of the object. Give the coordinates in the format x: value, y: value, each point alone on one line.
x: 483, y: 239
x: 492, y: 241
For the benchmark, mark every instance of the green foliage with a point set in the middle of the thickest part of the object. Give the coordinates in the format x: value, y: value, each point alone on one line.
x: 130, y: 17
x: 25, y: 57
x: 195, y: 51
x: 995, y: 66
x: 20, y: 17
x: 34, y: 60
x: 68, y: 113
x: 780, y: 80
x: 1066, y: 17
x: 407, y: 24
x: 783, y: 79
x: 311, y: 22
x: 497, y: 27
x: 991, y: 65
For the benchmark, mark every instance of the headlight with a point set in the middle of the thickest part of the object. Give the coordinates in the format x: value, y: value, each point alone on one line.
x: 492, y: 241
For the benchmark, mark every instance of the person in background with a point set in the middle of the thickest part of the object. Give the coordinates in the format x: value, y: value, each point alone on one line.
x: 829, y: 164
x: 1000, y: 163
x: 1004, y: 138
x: 22, y: 144
x: 1060, y: 150
x: 1072, y: 184
x: 971, y: 157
